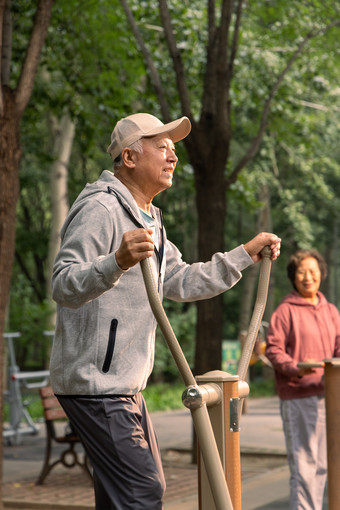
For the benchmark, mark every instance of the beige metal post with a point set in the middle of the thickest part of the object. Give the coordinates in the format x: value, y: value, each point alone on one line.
x: 332, y: 396
x: 224, y: 417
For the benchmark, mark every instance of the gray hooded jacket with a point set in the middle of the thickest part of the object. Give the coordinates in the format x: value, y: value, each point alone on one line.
x: 105, y: 334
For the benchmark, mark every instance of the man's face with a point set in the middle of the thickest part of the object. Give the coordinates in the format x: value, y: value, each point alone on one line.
x: 155, y: 166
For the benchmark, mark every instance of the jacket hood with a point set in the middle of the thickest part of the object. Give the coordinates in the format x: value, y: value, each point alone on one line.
x: 294, y: 298
x: 107, y: 183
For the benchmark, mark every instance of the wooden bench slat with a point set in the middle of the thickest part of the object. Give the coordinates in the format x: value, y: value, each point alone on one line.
x: 54, y: 414
x: 49, y: 403
x: 46, y: 391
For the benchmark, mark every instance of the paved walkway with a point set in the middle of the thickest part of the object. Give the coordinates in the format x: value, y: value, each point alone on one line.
x: 263, y: 463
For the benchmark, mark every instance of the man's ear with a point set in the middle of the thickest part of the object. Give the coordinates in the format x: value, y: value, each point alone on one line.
x: 127, y: 156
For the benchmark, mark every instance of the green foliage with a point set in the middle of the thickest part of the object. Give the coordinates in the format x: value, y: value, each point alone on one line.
x: 182, y: 317
x: 92, y: 67
x: 178, y: 206
x: 262, y: 388
x: 30, y: 319
x: 163, y: 397
x: 34, y: 407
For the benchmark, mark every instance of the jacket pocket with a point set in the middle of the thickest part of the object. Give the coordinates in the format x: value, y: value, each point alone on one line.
x: 110, y: 345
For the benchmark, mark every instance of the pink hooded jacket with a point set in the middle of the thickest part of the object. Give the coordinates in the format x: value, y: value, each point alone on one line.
x: 299, y: 331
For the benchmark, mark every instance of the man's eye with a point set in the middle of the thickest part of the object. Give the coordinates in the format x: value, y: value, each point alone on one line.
x: 166, y: 147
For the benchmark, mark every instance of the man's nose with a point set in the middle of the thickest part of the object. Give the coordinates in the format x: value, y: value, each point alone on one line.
x: 172, y: 156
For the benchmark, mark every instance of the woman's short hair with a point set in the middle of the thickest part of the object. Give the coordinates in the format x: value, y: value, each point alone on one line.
x: 296, y: 259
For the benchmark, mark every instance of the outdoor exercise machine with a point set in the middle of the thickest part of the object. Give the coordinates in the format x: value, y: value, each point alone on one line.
x: 20, y: 420
x: 215, y: 400
x: 332, y: 384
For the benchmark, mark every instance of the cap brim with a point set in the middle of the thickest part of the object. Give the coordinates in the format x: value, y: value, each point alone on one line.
x: 177, y: 129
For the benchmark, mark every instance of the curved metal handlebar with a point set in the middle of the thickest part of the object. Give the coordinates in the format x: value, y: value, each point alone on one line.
x: 200, y: 416
x: 260, y: 305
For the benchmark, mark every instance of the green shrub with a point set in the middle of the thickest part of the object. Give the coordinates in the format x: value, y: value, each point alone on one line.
x: 163, y: 396
x: 158, y: 397
x: 262, y: 388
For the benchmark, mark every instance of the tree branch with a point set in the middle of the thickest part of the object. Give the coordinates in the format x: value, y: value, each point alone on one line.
x: 29, y: 69
x: 149, y: 62
x: 211, y: 21
x: 214, y: 91
x: 236, y: 33
x: 20, y: 260
x: 6, y: 52
x: 176, y: 58
x: 210, y: 74
x: 255, y: 144
x: 222, y: 50
x: 217, y: 79
x: 226, y: 15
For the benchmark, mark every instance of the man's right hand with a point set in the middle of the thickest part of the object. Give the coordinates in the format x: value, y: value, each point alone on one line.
x: 254, y: 247
x: 136, y: 245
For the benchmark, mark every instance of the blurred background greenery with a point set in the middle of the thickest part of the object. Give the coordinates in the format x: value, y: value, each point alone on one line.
x: 93, y: 72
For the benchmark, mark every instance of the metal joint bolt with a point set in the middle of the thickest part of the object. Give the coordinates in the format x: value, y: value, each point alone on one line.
x: 192, y: 397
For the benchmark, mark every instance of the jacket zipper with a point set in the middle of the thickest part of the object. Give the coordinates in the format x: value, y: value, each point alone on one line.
x: 160, y: 252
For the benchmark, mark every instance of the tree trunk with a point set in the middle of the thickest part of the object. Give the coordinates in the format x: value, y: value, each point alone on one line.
x: 10, y: 154
x: 63, y: 134
x: 13, y: 103
x: 209, y: 162
x: 264, y: 224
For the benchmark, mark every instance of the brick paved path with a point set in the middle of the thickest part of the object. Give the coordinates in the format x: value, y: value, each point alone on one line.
x: 73, y: 488
x: 64, y: 488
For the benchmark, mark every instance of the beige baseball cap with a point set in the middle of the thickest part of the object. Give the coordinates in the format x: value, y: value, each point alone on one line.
x: 140, y: 125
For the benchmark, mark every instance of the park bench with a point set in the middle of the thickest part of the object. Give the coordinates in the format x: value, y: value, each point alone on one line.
x: 69, y: 457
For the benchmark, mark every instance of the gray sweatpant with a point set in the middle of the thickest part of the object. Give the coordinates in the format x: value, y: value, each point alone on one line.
x: 120, y: 441
x: 304, y: 426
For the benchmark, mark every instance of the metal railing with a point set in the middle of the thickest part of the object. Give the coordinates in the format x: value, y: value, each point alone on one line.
x: 20, y: 421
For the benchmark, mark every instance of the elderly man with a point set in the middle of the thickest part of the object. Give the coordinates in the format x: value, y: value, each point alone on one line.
x: 103, y: 350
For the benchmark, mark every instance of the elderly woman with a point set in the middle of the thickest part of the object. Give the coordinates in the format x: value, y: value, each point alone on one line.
x: 304, y: 328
